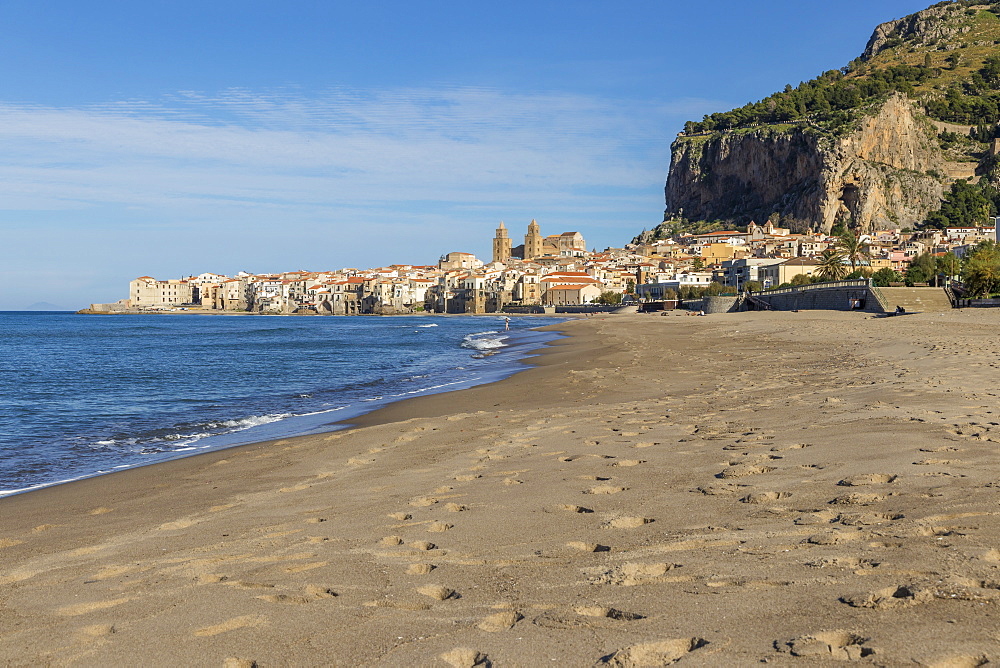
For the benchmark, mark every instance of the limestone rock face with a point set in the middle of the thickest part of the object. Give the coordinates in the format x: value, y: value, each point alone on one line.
x: 887, y: 172
x: 934, y: 24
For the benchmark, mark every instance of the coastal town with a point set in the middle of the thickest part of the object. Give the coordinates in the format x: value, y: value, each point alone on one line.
x: 550, y: 271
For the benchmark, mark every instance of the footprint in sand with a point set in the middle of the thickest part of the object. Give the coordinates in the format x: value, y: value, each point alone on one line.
x: 659, y: 653
x: 866, y: 519
x: 501, y: 621
x: 576, y: 509
x: 858, y: 499
x: 464, y: 657
x: 836, y: 645
x: 238, y: 662
x: 605, y: 489
x: 794, y: 446
x: 867, y: 479
x: 402, y: 517
x: 440, y: 527
x: 936, y: 531
x: 610, y: 613
x: 455, y: 507
x: 832, y: 538
x: 764, y: 497
x: 310, y: 594
x: 629, y: 462
x: 743, y: 470
x: 725, y: 489
x: 626, y: 522
x: 890, y: 597
x: 438, y: 592
x: 422, y: 545
x: 423, y: 502
x: 420, y: 569
x: 630, y: 574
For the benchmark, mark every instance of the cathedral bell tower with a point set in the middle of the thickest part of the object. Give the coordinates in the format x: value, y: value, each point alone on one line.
x: 533, y: 241
x: 501, y: 245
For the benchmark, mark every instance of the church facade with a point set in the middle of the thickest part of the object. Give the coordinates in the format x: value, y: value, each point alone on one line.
x: 535, y: 245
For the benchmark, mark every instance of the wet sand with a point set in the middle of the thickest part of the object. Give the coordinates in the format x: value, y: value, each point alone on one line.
x: 774, y: 487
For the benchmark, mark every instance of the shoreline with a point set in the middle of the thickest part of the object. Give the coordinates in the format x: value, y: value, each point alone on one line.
x: 353, y: 412
x: 429, y: 405
x: 726, y: 490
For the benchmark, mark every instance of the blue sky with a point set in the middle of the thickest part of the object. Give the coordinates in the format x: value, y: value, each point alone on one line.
x: 174, y: 137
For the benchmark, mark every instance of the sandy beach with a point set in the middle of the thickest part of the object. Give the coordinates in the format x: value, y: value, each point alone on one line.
x: 787, y: 488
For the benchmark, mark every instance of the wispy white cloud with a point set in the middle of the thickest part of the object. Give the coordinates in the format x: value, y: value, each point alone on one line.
x: 340, y: 148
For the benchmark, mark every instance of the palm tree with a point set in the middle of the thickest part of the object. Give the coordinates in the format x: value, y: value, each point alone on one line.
x: 831, y: 265
x: 981, y: 273
x: 853, y: 249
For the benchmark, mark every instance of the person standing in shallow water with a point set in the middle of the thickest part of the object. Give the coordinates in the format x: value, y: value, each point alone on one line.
x: 506, y: 324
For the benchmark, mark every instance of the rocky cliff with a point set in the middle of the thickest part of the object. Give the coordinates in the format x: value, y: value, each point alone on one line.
x: 873, y: 145
x: 886, y: 173
x: 931, y: 27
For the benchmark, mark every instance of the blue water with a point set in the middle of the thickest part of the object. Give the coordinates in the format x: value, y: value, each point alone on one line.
x: 82, y: 395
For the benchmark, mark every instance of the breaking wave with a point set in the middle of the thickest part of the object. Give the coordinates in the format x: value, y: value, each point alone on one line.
x: 484, y: 341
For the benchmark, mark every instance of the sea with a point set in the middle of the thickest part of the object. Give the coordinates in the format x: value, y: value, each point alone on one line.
x: 84, y: 395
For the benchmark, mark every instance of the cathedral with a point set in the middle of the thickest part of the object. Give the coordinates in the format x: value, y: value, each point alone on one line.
x: 535, y: 245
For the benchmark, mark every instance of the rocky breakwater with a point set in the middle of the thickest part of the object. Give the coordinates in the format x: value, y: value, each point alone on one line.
x: 886, y: 170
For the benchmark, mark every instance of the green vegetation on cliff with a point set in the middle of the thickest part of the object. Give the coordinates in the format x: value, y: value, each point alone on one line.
x: 830, y: 101
x: 945, y: 57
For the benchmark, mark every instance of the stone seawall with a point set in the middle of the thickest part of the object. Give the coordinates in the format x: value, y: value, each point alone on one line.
x: 712, y: 305
x: 853, y: 298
